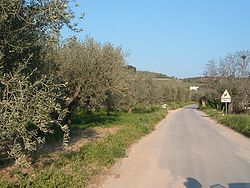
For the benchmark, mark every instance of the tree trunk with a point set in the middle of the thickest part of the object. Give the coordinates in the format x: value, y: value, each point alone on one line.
x: 70, y: 103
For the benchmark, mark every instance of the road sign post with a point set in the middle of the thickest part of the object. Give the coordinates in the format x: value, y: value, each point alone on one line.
x: 226, y: 107
x: 226, y: 98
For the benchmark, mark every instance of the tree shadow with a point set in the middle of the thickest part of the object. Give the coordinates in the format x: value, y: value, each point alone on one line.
x: 43, y: 157
x: 5, y: 161
x: 82, y: 120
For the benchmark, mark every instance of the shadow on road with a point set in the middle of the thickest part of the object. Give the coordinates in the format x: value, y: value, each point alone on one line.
x: 193, y: 183
x: 217, y: 186
x: 239, y: 185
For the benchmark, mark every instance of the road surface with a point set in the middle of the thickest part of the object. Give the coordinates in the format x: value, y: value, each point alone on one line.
x: 187, y: 150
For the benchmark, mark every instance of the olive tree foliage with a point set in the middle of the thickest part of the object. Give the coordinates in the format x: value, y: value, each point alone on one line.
x: 98, y: 77
x: 146, y: 90
x: 96, y: 73
x: 27, y: 112
x: 29, y: 107
x: 231, y: 73
x: 141, y: 91
x: 26, y: 28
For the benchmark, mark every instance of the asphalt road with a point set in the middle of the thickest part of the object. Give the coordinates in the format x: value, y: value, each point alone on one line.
x: 187, y: 150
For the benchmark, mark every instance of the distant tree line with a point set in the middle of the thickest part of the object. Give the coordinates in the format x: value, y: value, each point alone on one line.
x: 231, y: 73
x: 43, y: 80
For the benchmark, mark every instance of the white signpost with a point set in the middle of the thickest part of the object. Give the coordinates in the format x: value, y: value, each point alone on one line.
x: 226, y: 98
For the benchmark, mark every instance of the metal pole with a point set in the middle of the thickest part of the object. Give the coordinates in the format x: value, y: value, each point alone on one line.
x: 226, y: 108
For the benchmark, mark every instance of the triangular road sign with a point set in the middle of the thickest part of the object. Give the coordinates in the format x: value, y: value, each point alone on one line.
x: 225, y: 95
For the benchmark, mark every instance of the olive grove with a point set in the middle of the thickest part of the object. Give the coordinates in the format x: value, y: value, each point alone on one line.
x: 44, y: 79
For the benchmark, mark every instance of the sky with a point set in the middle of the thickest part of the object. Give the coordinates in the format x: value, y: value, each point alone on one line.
x: 173, y: 37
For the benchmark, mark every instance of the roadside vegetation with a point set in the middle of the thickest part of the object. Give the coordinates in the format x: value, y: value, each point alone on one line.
x: 231, y: 73
x: 238, y: 122
x: 54, y: 92
x: 76, y: 168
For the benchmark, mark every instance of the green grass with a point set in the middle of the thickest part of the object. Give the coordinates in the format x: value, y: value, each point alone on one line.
x: 75, y: 169
x: 238, y: 122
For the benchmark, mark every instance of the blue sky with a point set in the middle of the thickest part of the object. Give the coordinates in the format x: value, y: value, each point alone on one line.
x: 174, y: 37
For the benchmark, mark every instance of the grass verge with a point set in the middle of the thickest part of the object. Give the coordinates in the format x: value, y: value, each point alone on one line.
x: 75, y: 169
x: 238, y: 122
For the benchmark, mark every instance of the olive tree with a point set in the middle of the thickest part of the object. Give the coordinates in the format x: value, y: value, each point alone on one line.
x: 28, y: 111
x: 28, y: 95
x: 96, y: 73
x: 26, y: 28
